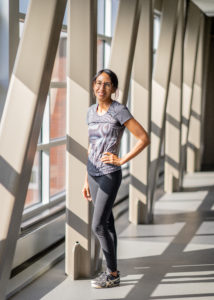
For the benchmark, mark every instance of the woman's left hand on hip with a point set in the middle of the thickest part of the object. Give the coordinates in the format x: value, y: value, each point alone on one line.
x: 110, y: 158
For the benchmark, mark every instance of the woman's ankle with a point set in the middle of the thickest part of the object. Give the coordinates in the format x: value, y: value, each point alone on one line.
x: 115, y: 273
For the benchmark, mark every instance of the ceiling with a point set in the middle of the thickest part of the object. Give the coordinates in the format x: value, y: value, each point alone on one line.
x: 207, y: 6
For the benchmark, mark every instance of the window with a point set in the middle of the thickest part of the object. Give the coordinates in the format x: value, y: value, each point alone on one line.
x: 23, y: 5
x: 100, y: 54
x: 34, y: 190
x: 47, y: 183
x: 156, y: 34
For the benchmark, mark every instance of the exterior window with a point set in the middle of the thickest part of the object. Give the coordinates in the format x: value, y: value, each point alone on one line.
x: 59, y: 70
x: 101, y: 17
x: 156, y: 35
x: 57, y: 112
x: 100, y: 54
x: 57, y: 169
x: 48, y: 172
x: 114, y: 11
x: 23, y: 5
x: 34, y: 189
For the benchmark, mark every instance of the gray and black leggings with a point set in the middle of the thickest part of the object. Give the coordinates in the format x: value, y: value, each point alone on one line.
x: 103, y: 191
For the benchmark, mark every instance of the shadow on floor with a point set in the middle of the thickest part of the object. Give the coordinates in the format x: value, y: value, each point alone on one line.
x: 175, y: 267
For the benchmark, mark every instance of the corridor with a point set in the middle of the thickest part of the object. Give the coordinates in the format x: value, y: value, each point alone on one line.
x: 171, y: 259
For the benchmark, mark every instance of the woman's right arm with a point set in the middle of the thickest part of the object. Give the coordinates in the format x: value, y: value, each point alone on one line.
x: 86, y: 175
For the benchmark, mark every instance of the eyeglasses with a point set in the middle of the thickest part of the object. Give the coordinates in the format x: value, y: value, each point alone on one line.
x: 107, y: 85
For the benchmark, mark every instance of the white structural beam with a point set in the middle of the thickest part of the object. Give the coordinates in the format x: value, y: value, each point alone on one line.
x: 81, y: 62
x: 22, y: 118
x: 123, y: 44
x: 9, y: 39
x: 173, y: 111
x: 193, y: 162
x: 190, y: 56
x: 160, y: 83
x: 141, y: 109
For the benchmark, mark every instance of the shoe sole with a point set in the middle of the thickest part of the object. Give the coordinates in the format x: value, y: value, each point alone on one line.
x: 104, y: 287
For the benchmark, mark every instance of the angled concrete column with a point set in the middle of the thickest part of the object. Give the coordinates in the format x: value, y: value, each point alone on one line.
x: 123, y: 44
x: 22, y: 118
x: 190, y: 55
x: 173, y: 111
x: 141, y: 109
x: 9, y: 39
x: 160, y: 83
x: 193, y: 162
x: 81, y: 56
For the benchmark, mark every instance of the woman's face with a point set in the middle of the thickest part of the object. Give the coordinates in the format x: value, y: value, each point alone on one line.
x: 103, y: 87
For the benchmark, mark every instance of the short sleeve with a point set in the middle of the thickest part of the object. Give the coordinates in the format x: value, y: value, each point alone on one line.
x: 123, y: 115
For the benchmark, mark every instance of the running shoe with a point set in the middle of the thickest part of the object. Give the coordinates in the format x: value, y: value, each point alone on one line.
x: 106, y: 281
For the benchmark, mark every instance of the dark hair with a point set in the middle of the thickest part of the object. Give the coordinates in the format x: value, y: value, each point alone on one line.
x: 111, y: 74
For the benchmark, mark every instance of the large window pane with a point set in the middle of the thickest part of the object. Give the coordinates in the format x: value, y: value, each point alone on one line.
x: 107, y: 54
x: 100, y: 54
x: 57, y: 169
x: 156, y: 35
x: 100, y: 16
x: 23, y: 5
x: 57, y: 112
x: 59, y: 70
x: 156, y: 32
x: 21, y: 27
x: 65, y: 16
x: 114, y: 12
x: 34, y: 188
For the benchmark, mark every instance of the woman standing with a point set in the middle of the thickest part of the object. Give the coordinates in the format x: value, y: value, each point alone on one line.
x: 106, y: 123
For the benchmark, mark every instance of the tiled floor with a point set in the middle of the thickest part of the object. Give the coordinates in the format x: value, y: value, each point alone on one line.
x: 172, y: 259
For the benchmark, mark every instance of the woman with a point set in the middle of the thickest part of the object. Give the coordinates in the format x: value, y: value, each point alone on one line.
x: 106, y: 123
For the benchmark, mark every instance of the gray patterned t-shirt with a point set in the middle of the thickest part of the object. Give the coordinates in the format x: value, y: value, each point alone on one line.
x: 105, y: 133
